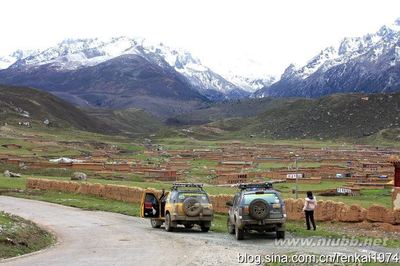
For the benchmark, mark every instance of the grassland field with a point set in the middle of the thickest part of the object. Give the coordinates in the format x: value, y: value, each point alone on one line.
x: 57, y: 143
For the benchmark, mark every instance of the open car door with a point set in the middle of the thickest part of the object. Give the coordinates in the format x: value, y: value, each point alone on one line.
x: 150, y: 205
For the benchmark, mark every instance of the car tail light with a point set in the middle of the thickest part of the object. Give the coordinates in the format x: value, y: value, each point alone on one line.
x: 276, y: 205
x: 148, y: 205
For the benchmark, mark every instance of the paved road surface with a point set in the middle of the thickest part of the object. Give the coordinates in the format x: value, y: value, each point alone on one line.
x: 102, y: 238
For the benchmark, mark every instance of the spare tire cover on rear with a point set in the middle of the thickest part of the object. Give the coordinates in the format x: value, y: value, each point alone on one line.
x: 259, y: 209
x: 191, y: 207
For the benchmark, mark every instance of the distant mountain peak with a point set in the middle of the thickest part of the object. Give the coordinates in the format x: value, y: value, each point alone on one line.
x: 364, y: 64
x: 75, y: 54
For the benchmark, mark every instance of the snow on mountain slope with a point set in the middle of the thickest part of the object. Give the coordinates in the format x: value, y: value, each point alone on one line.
x: 80, y: 53
x: 73, y: 54
x: 10, y: 59
x: 251, y: 84
x: 198, y: 75
x: 350, y: 48
x: 369, y: 63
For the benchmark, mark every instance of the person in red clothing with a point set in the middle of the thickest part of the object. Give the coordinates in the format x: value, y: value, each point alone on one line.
x: 309, y: 206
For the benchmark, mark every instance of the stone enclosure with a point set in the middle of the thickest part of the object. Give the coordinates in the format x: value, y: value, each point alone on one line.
x: 326, y: 210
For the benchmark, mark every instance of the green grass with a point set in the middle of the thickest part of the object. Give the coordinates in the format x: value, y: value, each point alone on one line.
x: 19, y: 236
x: 298, y: 228
x: 83, y: 201
x: 367, y: 198
x: 12, y: 183
x: 130, y: 147
x: 325, y: 184
x: 219, y: 223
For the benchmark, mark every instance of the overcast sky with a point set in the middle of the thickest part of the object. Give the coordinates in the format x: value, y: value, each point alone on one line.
x: 249, y: 36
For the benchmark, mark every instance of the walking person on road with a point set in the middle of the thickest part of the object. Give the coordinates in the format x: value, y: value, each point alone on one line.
x: 309, y: 206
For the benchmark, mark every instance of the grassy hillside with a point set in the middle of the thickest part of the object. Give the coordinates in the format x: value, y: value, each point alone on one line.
x: 335, y: 116
x: 22, y: 104
x: 133, y: 122
x: 372, y: 117
x: 228, y: 109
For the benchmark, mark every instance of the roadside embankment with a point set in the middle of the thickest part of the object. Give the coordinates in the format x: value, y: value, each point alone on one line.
x: 19, y: 236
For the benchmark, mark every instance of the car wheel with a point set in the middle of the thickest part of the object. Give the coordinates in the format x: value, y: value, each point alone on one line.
x: 191, y: 207
x: 259, y: 209
x: 168, y: 226
x: 155, y: 223
x: 239, y: 233
x: 205, y: 228
x: 280, y: 234
x: 231, y: 227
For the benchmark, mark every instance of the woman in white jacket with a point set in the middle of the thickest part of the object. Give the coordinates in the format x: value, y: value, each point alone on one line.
x: 309, y: 206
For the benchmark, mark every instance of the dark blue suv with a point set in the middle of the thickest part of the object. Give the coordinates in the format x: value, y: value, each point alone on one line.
x: 256, y: 207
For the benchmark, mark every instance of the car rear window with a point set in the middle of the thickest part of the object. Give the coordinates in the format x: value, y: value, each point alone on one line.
x: 201, y: 197
x: 149, y: 198
x: 268, y: 197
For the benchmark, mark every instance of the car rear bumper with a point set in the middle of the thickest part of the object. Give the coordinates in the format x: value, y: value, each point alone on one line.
x: 267, y: 224
x: 179, y: 218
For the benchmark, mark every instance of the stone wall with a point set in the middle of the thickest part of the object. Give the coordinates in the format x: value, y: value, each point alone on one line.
x: 396, y: 198
x: 115, y: 192
x: 325, y: 211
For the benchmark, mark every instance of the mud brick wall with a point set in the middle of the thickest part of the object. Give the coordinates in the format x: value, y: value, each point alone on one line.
x: 396, y: 198
x: 305, y: 180
x: 340, y: 212
x: 325, y: 211
x: 115, y: 192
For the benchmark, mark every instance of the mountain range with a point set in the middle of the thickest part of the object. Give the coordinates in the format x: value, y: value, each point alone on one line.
x: 370, y: 64
x: 123, y: 72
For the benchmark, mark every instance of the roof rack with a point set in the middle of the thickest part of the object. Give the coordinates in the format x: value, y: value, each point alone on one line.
x: 249, y: 186
x: 175, y: 186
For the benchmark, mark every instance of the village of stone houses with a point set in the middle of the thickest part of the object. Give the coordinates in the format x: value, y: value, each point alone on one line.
x: 199, y: 133
x: 357, y: 186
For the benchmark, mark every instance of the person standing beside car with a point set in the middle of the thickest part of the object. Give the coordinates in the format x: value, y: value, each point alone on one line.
x: 309, y: 206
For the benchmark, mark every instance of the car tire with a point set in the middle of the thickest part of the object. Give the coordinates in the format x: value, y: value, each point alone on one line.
x: 259, y: 209
x: 191, y: 207
x: 230, y: 226
x: 280, y: 234
x: 155, y: 223
x: 239, y: 233
x: 168, y: 226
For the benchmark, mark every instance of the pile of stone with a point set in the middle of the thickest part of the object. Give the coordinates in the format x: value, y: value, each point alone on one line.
x: 7, y: 173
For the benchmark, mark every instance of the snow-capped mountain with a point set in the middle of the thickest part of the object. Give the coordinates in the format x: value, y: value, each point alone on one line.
x: 8, y: 60
x: 76, y: 54
x: 370, y: 63
x: 251, y: 84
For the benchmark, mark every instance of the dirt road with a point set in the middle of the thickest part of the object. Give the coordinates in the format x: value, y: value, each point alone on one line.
x: 101, y: 238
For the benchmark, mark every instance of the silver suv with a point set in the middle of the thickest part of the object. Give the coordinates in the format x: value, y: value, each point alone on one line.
x: 256, y: 207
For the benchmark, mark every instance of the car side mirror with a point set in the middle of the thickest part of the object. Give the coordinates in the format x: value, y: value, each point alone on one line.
x: 229, y: 203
